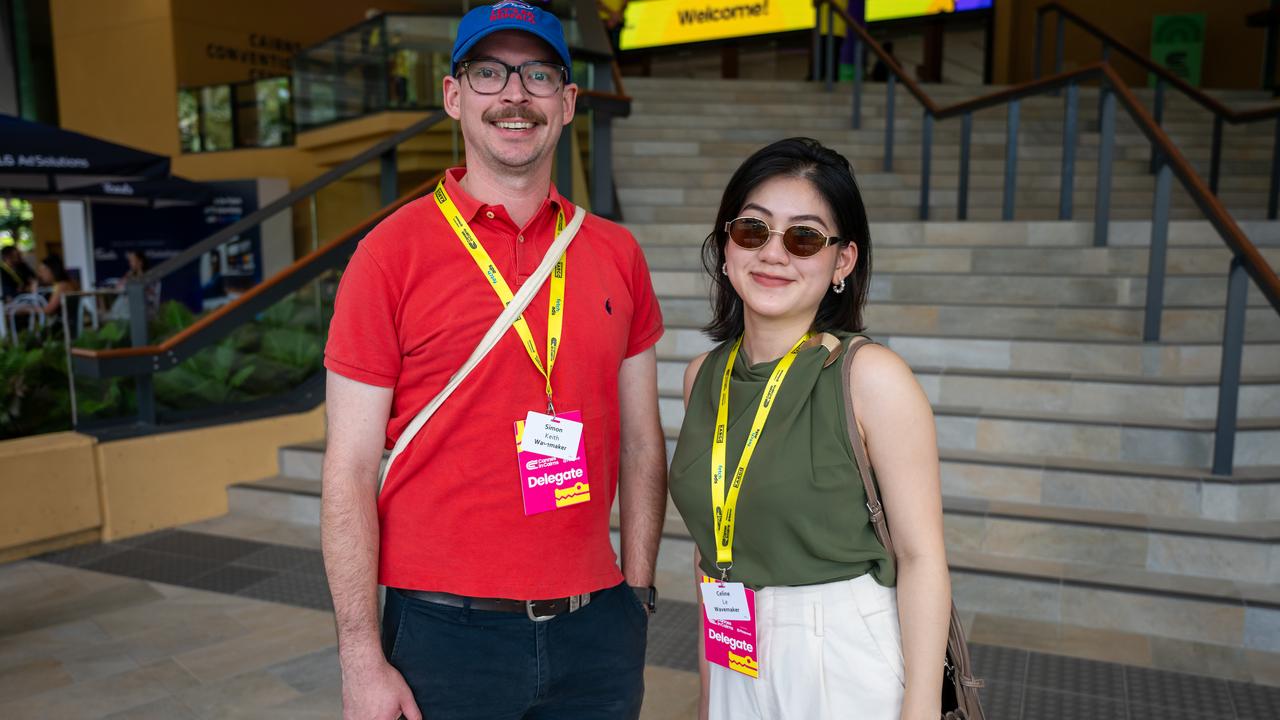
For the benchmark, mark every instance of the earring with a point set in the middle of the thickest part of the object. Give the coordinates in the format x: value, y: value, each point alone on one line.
x: 724, y: 269
x: 838, y: 287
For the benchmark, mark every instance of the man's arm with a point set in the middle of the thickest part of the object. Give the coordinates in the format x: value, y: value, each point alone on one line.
x: 357, y: 415
x: 642, y: 476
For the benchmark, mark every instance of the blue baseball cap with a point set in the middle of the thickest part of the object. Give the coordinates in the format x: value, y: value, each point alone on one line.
x: 510, y: 15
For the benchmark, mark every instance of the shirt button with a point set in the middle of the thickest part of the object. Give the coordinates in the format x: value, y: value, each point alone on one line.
x: 489, y: 214
x: 520, y: 238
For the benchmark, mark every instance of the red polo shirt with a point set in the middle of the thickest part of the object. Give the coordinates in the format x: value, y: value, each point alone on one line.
x: 411, y: 307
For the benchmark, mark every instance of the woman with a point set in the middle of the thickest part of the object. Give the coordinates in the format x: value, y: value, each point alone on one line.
x: 790, y: 258
x: 53, y: 274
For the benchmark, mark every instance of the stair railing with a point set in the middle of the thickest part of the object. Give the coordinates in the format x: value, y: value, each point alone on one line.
x: 1247, y: 262
x: 1163, y: 77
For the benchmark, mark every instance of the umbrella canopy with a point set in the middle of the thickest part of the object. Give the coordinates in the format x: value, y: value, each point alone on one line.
x: 157, y: 192
x: 36, y: 158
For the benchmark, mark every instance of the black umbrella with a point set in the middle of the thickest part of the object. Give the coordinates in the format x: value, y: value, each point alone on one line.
x: 158, y: 192
x: 36, y: 158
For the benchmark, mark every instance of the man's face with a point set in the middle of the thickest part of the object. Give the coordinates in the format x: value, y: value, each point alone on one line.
x: 511, y: 130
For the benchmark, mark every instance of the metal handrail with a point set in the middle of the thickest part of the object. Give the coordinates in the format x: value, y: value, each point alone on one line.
x: 1221, y: 113
x: 1110, y: 41
x: 1247, y: 261
x: 256, y: 299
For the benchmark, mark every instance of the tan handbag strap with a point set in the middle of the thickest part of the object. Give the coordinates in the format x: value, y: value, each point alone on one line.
x: 957, y: 645
x: 874, y: 506
x: 505, y: 319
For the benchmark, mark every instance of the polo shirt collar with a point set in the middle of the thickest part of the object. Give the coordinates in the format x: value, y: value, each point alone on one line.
x: 471, y: 207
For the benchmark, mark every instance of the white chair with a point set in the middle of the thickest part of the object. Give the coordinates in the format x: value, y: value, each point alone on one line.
x: 29, y: 304
x: 88, y: 309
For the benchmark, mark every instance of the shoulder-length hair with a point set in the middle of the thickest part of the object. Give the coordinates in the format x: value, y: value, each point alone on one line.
x: 832, y: 177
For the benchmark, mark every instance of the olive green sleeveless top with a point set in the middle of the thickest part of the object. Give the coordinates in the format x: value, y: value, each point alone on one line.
x: 802, y: 512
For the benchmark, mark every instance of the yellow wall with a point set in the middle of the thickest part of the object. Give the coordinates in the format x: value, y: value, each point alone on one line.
x: 1232, y: 52
x: 48, y: 490
x: 233, y: 40
x: 62, y: 489
x: 115, y: 70
x: 159, y: 481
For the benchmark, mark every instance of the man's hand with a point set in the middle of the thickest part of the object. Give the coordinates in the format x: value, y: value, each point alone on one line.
x: 373, y: 690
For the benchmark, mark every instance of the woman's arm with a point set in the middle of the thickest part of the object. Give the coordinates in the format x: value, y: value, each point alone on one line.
x: 896, y: 422
x: 55, y: 300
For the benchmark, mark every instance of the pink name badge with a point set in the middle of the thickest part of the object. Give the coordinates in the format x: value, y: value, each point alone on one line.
x: 550, y: 483
x: 731, y: 643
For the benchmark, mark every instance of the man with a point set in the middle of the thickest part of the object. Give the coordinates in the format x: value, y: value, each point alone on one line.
x: 15, y: 275
x: 493, y: 609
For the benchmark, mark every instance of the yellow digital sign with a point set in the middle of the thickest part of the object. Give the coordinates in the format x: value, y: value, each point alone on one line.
x: 653, y: 23
x: 878, y: 10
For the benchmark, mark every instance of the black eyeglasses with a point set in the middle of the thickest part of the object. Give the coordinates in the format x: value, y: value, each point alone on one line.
x: 489, y: 77
x: 800, y: 240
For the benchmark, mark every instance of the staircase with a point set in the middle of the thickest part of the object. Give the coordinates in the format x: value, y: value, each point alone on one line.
x: 674, y: 155
x: 1080, y: 511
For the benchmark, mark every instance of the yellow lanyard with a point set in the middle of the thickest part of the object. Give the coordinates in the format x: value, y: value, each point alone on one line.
x: 724, y: 505
x: 555, y: 310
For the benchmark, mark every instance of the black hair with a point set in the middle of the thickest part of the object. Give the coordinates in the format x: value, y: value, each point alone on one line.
x: 56, y: 268
x: 8, y: 250
x: 832, y: 177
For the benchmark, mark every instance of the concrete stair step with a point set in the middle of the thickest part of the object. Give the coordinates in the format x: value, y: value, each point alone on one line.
x: 1238, y: 551
x: 1032, y: 132
x: 1133, y: 194
x: 990, y: 212
x: 1113, y: 358
x: 995, y: 259
x: 906, y: 148
x: 1095, y: 437
x: 1083, y: 322
x: 1250, y: 495
x: 1193, y: 398
x: 281, y: 498
x: 942, y: 177
x: 1057, y: 234
x: 1205, y: 291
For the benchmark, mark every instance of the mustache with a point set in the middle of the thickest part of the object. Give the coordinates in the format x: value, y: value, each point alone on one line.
x: 515, y: 113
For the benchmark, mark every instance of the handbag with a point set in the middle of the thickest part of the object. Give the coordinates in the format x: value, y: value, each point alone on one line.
x: 518, y: 303
x: 960, y: 699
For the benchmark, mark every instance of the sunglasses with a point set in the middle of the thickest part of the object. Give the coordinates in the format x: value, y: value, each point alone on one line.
x: 802, y: 241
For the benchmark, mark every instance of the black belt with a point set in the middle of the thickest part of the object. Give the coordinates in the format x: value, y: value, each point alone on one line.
x: 536, y: 610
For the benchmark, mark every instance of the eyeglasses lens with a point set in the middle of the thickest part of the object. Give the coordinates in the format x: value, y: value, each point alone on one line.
x: 749, y: 233
x: 803, y: 241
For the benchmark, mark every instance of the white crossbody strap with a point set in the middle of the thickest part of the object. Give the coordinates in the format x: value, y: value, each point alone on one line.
x: 518, y: 303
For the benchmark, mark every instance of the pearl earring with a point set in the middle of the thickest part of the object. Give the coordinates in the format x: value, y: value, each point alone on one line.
x: 838, y: 288
x: 724, y: 269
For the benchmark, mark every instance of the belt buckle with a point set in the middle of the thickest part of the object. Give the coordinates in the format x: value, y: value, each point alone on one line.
x: 528, y: 610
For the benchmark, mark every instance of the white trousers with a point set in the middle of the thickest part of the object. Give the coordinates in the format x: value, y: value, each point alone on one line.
x: 827, y: 652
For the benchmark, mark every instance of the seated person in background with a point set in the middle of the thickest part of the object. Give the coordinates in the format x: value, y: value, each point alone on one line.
x: 53, y: 274
x: 15, y: 275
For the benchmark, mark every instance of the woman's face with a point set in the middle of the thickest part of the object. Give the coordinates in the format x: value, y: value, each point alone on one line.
x: 44, y: 274
x: 135, y: 260
x: 772, y: 282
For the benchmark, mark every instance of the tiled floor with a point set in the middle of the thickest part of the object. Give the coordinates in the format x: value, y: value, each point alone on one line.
x: 184, y: 624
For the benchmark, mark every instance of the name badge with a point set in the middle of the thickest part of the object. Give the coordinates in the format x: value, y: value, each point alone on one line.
x: 729, y: 626
x: 725, y: 601
x: 548, y: 482
x: 556, y: 436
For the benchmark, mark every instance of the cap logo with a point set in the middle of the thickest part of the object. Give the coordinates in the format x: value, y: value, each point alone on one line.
x: 512, y: 10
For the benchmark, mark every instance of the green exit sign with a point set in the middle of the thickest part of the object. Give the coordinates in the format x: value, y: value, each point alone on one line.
x: 1177, y: 43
